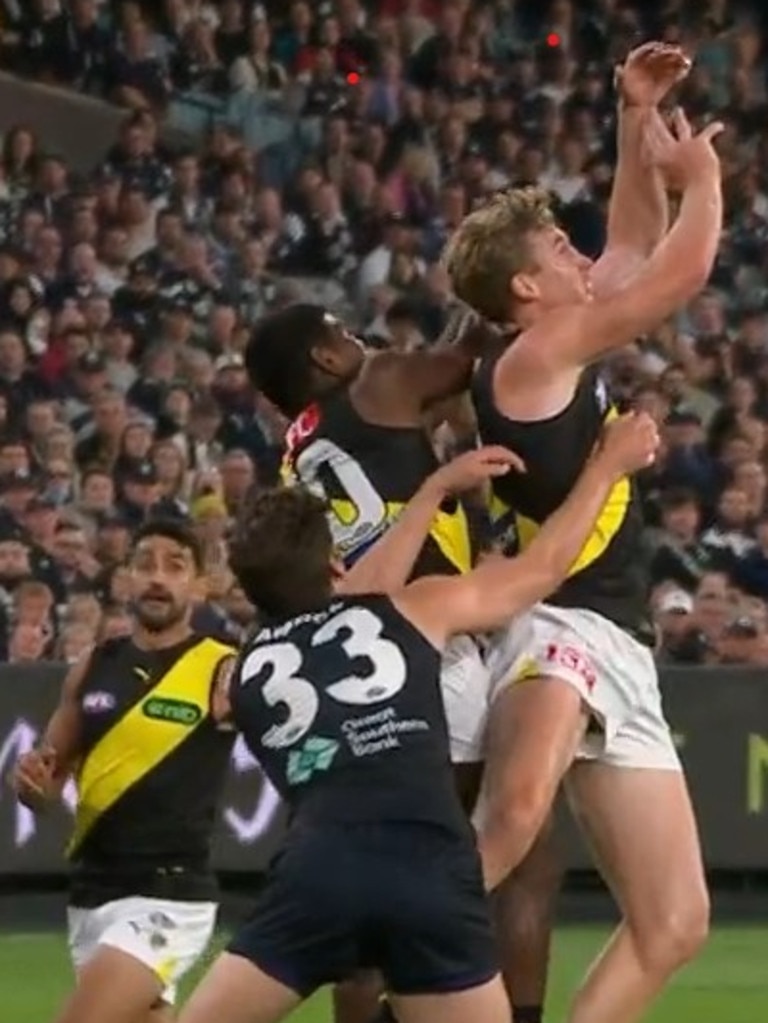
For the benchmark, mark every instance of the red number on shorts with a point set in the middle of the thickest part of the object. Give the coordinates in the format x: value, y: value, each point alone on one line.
x: 573, y: 660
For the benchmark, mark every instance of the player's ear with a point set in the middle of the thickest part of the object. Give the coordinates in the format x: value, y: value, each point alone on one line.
x: 324, y: 358
x: 523, y: 288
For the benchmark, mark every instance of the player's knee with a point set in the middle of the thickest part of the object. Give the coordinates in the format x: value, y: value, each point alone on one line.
x: 678, y: 934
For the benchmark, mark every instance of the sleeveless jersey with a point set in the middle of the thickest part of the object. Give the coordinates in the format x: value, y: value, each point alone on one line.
x: 368, y: 473
x: 610, y: 575
x: 342, y: 709
x: 152, y: 769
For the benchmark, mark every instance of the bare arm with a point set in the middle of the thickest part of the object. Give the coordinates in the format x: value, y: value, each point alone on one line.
x: 502, y: 587
x: 41, y: 774
x: 421, y: 378
x: 220, y: 704
x: 638, y: 215
x: 680, y: 267
x: 387, y: 565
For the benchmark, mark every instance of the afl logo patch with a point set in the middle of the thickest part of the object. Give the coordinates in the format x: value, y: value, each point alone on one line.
x: 98, y: 703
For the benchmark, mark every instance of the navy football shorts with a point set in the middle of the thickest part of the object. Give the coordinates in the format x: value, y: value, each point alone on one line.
x: 406, y: 899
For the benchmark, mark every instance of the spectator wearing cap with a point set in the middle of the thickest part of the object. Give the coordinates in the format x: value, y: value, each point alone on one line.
x: 139, y: 493
x: 119, y: 343
x: 86, y: 382
x: 673, y: 617
x: 686, y: 461
x: 113, y: 539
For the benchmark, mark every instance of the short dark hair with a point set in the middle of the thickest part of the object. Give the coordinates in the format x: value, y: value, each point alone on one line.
x: 280, y: 551
x: 278, y: 355
x: 678, y: 497
x: 177, y: 531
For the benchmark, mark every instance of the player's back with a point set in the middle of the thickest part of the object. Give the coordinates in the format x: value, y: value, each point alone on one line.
x: 368, y: 473
x: 610, y: 576
x: 152, y: 769
x: 342, y: 709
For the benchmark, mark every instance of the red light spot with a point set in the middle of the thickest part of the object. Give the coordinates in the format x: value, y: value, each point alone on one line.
x: 353, y: 78
x: 553, y: 40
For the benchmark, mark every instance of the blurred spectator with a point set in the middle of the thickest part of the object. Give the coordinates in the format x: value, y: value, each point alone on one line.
x: 345, y: 142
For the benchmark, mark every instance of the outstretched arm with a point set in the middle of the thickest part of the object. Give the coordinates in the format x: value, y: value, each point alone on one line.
x: 387, y: 565
x: 503, y: 587
x: 638, y: 216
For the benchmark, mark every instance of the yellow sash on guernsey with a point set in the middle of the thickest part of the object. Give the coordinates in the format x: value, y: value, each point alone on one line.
x: 607, y: 526
x: 146, y: 735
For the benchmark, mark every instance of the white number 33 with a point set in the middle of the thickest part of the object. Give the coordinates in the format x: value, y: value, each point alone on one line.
x: 300, y: 697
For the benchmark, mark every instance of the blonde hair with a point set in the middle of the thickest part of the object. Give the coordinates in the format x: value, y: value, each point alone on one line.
x: 491, y: 246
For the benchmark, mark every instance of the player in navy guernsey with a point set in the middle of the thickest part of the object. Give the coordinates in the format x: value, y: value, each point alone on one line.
x: 590, y: 710
x: 338, y: 696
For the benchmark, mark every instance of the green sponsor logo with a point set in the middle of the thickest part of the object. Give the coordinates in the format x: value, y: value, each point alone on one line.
x: 177, y: 712
x: 316, y: 755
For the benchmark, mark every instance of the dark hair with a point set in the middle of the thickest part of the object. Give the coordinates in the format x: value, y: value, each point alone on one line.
x: 280, y: 551
x: 278, y: 355
x: 172, y: 529
x: 678, y: 497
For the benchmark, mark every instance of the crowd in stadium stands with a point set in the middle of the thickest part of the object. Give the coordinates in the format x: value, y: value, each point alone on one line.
x: 126, y: 295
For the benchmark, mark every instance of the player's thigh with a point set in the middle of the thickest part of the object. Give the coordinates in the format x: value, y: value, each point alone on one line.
x: 487, y: 1003
x: 114, y: 986
x: 357, y: 1000
x: 235, y: 990
x: 641, y: 827
x: 534, y: 730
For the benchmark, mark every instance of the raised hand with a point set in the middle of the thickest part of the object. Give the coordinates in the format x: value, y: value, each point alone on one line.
x: 629, y: 443
x: 650, y: 72
x: 475, y: 468
x: 681, y: 156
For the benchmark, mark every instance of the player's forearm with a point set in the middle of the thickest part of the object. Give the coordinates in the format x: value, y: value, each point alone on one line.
x: 638, y: 215
x: 686, y: 257
x: 511, y: 585
x: 388, y: 564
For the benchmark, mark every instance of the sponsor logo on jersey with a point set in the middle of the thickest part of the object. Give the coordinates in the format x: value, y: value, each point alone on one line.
x: 317, y: 754
x: 177, y: 712
x: 573, y: 660
x: 302, y: 428
x: 98, y: 702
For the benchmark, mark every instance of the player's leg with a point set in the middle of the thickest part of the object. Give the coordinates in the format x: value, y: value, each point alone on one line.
x: 358, y: 999
x: 641, y: 826
x: 525, y: 910
x: 130, y: 954
x: 535, y: 729
x: 115, y: 986
x: 235, y: 990
x: 487, y: 1003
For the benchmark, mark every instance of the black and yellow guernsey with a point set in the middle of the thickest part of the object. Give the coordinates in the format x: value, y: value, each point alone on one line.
x: 368, y: 473
x: 610, y: 575
x: 152, y: 769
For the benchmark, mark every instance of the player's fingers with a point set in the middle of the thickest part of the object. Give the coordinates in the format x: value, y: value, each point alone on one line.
x: 498, y: 455
x: 681, y: 124
x: 712, y: 131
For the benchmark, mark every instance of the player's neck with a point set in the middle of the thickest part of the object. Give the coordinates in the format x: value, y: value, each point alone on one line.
x: 147, y: 639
